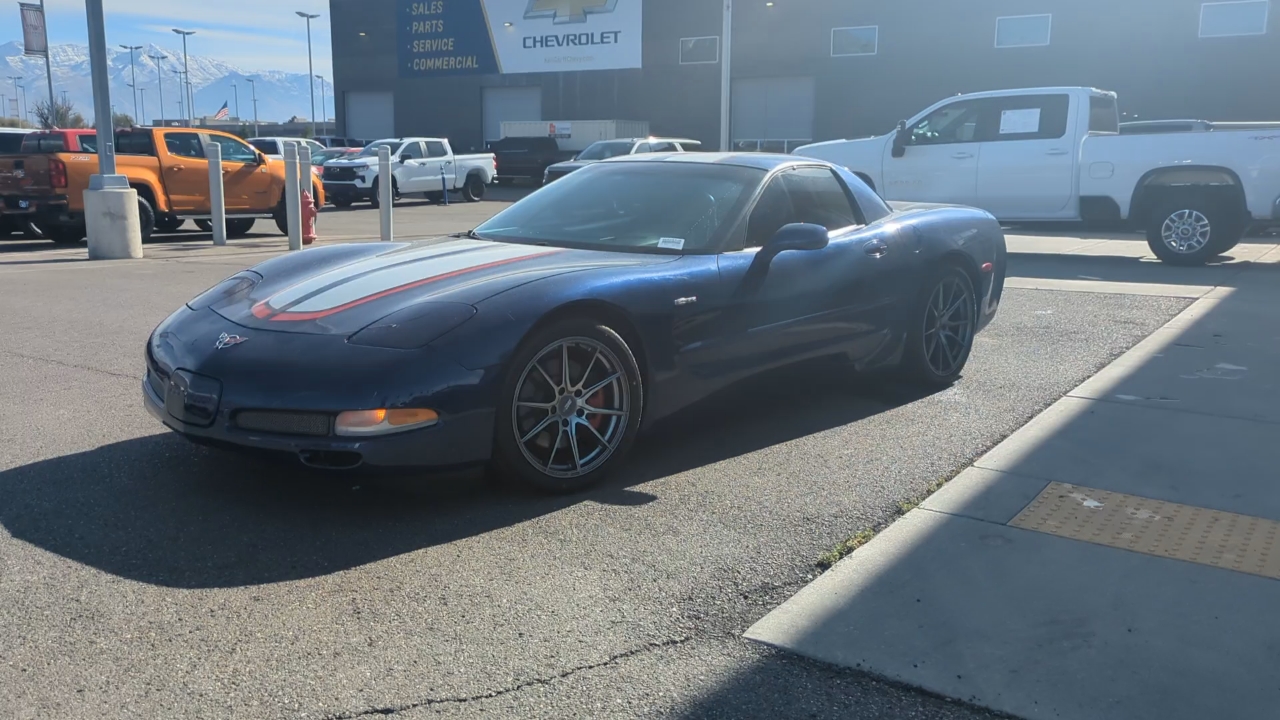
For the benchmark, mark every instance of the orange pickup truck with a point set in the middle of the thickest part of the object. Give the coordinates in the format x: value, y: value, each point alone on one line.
x: 168, y: 168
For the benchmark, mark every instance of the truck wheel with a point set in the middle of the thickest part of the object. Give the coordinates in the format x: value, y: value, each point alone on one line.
x: 342, y: 202
x: 473, y: 190
x: 31, y: 231
x: 65, y: 234
x: 169, y: 223
x: 1190, y: 230
x: 239, y: 227
x: 376, y: 199
x: 146, y: 218
x: 205, y: 225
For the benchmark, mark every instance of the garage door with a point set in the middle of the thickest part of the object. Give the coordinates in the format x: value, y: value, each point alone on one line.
x: 772, y: 114
x: 371, y: 115
x: 506, y: 104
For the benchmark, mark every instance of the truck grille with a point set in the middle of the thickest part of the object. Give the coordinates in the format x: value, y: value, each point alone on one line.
x: 341, y: 174
x: 283, y: 422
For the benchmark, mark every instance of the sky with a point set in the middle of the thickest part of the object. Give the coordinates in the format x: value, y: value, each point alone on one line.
x: 253, y: 35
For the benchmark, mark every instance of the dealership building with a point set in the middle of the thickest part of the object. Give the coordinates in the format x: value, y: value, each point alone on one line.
x: 802, y: 70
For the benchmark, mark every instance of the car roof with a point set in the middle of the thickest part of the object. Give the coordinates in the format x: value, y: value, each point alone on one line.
x: 761, y: 161
x: 653, y: 138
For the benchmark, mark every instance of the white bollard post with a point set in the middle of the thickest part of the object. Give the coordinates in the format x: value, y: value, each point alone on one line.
x: 384, y: 192
x: 305, y: 174
x: 217, y: 198
x: 292, y: 198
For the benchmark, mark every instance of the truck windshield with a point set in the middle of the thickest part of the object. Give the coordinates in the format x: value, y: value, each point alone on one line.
x: 606, y: 149
x: 371, y: 150
x: 631, y: 207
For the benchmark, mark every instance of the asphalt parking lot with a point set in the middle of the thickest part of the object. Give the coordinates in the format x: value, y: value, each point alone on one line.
x: 141, y: 576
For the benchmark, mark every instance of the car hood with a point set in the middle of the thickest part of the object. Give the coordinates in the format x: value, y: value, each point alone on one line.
x: 341, y: 289
x: 571, y: 165
x: 840, y: 151
x: 353, y: 162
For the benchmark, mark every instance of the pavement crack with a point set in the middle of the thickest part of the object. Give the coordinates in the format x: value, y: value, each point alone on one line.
x: 535, y: 682
x: 70, y: 365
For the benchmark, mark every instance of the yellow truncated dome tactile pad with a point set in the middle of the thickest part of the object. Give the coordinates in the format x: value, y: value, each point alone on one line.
x: 1182, y: 532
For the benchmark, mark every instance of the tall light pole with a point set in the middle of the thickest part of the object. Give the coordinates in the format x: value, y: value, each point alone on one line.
x: 23, y: 88
x: 186, y: 70
x: 134, y: 69
x: 253, y: 84
x: 236, y: 90
x: 142, y: 121
x: 182, y: 94
x: 15, y: 80
x: 726, y: 76
x: 324, y: 115
x: 310, y: 70
x: 160, y: 79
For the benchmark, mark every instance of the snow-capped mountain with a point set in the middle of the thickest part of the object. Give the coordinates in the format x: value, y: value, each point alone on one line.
x: 281, y: 95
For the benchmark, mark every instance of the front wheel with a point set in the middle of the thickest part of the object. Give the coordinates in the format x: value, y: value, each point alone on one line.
x: 376, y: 199
x: 571, y: 406
x: 943, y: 323
x: 473, y: 190
x: 1191, y: 231
x: 65, y: 234
x: 239, y: 227
x: 341, y: 202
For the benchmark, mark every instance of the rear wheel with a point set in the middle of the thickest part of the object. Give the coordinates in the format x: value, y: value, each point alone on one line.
x: 205, y: 225
x: 240, y: 227
x: 1191, y: 230
x: 473, y: 190
x: 65, y: 234
x: 943, y: 324
x: 169, y: 223
x: 571, y: 408
x: 146, y: 218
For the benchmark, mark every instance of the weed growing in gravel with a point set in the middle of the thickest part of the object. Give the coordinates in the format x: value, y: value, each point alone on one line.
x: 844, y: 549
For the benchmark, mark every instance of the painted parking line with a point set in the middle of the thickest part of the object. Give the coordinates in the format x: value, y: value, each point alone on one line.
x: 1198, y: 535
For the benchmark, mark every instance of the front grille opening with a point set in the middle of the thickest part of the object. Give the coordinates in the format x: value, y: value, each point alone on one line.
x: 331, y: 459
x: 284, y: 422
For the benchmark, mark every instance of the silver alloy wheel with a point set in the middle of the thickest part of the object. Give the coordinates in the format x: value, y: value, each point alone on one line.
x: 948, y: 325
x: 1186, y: 231
x: 571, y: 407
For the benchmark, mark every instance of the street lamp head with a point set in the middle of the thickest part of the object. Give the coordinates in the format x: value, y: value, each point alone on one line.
x: 184, y: 32
x: 305, y: 15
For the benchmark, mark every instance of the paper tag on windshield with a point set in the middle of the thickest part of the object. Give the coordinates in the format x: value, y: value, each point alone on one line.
x: 671, y: 243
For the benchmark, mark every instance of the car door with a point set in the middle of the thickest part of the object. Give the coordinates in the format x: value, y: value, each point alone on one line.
x: 186, y: 171
x: 440, y: 163
x: 246, y: 183
x: 797, y: 304
x: 1027, y: 165
x: 940, y: 155
x: 414, y: 174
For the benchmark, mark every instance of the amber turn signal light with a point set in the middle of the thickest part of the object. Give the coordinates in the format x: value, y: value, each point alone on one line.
x: 383, y: 421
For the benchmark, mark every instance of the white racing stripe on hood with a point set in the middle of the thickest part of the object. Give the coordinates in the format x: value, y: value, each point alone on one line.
x: 411, y: 254
x: 396, y: 276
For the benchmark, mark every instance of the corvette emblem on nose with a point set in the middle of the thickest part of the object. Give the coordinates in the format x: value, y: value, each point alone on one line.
x: 226, y: 341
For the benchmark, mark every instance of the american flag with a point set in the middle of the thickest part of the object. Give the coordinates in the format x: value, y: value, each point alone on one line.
x: 223, y: 114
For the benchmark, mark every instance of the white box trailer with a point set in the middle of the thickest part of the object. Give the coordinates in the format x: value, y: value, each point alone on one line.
x: 576, y: 135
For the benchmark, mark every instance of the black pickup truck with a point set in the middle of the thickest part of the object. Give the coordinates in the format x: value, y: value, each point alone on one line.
x: 526, y: 158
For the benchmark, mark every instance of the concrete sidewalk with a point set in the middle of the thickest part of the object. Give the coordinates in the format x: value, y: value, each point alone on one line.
x: 1118, y: 557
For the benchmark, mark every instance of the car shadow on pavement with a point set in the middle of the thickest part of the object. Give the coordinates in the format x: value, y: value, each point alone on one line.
x: 162, y: 511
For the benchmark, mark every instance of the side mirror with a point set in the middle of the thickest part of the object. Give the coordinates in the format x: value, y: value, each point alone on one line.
x: 798, y: 236
x: 900, y: 139
x: 260, y: 159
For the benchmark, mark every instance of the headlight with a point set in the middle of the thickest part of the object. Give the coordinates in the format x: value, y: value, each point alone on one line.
x: 414, y: 326
x: 383, y: 422
x: 237, y: 285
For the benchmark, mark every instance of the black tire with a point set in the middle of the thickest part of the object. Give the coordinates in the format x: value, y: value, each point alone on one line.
x: 1189, y: 230
x: 65, y: 234
x: 934, y: 358
x: 146, y: 218
x: 169, y: 223
x: 205, y: 225
x: 239, y: 227
x: 598, y: 352
x: 282, y: 218
x: 473, y: 189
x: 31, y: 231
x: 376, y: 199
x: 342, y: 202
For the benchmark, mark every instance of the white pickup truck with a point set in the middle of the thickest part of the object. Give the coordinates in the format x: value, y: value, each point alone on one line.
x: 1057, y: 154
x: 418, y: 165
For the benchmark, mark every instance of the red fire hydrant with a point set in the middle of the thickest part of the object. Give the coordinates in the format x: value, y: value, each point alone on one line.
x: 309, y: 213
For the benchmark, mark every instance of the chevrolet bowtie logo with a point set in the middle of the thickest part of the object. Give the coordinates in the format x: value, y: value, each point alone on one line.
x: 567, y: 11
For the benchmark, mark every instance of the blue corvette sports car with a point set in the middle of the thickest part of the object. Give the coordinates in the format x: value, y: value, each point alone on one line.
x: 546, y: 339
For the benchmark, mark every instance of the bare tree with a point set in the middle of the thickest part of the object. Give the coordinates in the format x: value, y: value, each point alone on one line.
x: 58, y: 114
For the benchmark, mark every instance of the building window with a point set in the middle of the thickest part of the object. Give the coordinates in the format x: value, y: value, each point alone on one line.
x: 847, y: 41
x: 1023, y: 30
x: 1228, y: 19
x: 700, y: 50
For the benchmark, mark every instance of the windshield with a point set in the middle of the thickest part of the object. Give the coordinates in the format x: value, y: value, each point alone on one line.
x: 630, y: 206
x: 606, y: 149
x: 371, y: 150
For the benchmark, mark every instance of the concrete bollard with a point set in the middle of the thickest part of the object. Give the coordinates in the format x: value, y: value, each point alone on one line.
x: 217, y: 196
x: 292, y: 197
x: 305, y: 176
x: 384, y: 192
x: 111, y: 222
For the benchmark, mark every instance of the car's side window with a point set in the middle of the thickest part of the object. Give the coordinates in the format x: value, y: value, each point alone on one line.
x: 641, y: 148
x: 233, y: 150
x: 436, y: 149
x: 660, y: 147
x: 184, y: 144
x: 772, y: 211
x: 819, y: 198
x: 412, y: 151
x: 267, y: 146
x: 949, y: 124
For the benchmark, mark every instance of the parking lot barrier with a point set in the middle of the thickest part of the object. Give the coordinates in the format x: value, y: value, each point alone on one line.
x: 217, y: 195
x: 385, y: 196
x: 292, y: 196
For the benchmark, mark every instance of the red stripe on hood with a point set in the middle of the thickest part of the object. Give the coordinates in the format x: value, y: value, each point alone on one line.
x: 264, y: 311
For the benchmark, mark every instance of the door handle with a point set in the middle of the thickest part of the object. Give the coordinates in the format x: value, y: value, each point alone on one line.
x: 1056, y: 151
x: 875, y: 248
x: 177, y: 168
x: 962, y: 155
